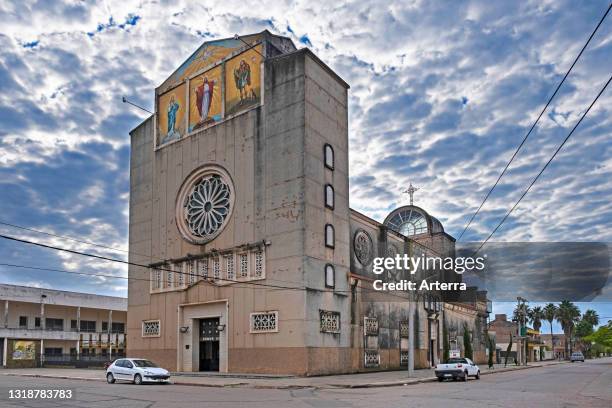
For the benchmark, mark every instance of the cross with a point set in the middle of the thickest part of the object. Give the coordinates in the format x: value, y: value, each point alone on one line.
x: 411, y: 190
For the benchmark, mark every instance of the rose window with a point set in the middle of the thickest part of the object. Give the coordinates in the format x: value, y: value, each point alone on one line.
x: 204, y: 204
x: 207, y: 206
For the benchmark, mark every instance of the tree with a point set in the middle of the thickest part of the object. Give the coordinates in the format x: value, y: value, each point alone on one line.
x: 591, y: 317
x: 568, y: 315
x: 602, y: 336
x: 508, y: 350
x: 521, y: 312
x: 491, y: 349
x: 446, y: 343
x: 467, y: 343
x: 550, y: 312
x: 536, y: 315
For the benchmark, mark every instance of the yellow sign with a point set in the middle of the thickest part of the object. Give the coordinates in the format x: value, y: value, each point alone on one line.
x: 205, y: 99
x: 171, y: 115
x: 243, y: 81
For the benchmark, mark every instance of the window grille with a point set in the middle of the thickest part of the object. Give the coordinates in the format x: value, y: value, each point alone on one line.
x: 229, y: 267
x: 370, y: 326
x: 244, y: 265
x: 259, y: 264
x: 151, y: 328
x: 330, y: 321
x: 264, y: 322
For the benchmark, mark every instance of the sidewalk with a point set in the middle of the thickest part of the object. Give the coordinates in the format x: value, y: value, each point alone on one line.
x: 360, y: 380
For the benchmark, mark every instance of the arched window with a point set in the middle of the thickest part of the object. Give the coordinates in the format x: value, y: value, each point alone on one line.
x: 328, y: 153
x: 330, y: 276
x: 329, y: 196
x: 330, y: 236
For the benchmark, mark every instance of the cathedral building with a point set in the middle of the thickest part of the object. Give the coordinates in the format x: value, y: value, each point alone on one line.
x: 251, y: 259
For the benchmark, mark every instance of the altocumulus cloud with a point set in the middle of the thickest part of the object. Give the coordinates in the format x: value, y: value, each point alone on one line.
x: 441, y: 94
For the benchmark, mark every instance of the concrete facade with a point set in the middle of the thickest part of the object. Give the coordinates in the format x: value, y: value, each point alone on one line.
x: 59, y: 323
x: 280, y: 287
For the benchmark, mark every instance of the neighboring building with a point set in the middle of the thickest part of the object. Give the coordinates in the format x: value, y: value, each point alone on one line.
x: 53, y: 326
x: 503, y: 330
x: 239, y: 209
x: 555, y: 343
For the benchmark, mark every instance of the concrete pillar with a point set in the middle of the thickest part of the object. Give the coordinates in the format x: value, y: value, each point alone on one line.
x: 78, y: 348
x: 4, y: 351
x: 42, y: 351
x: 78, y: 319
x: 110, y: 331
x: 42, y: 315
x: 6, y: 315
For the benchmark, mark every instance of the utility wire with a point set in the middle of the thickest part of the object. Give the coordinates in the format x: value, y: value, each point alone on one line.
x: 534, y: 124
x: 545, y: 166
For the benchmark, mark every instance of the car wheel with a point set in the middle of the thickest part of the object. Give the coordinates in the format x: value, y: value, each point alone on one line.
x: 478, y: 375
x: 440, y: 379
x: 465, y: 376
x: 137, y: 379
x: 110, y: 378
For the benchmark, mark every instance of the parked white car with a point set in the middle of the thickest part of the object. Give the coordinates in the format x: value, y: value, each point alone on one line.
x: 136, y: 370
x: 577, y: 356
x: 456, y: 368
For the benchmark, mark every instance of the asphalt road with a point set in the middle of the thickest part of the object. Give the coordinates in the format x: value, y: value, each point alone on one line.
x: 569, y: 385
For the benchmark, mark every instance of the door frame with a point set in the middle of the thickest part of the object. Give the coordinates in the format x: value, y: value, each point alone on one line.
x: 188, y: 343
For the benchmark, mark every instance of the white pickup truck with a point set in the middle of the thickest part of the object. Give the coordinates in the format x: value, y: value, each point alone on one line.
x: 457, y: 368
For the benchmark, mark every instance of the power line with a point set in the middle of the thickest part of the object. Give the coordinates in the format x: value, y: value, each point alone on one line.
x: 545, y: 166
x: 65, y: 237
x: 534, y: 124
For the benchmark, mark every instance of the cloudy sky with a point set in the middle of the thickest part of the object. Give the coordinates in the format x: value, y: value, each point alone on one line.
x: 441, y: 94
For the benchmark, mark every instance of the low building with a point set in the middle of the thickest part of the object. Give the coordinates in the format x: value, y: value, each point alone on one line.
x: 555, y: 343
x: 48, y: 326
x: 504, y: 331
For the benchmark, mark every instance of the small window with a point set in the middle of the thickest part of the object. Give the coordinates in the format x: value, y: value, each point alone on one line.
x: 330, y: 276
x: 104, y: 326
x: 328, y: 153
x: 23, y: 322
x: 73, y: 324
x: 54, y: 324
x: 118, y: 327
x: 37, y: 322
x: 330, y: 236
x: 329, y: 196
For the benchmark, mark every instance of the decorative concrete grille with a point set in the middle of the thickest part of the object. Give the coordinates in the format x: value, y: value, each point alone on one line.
x: 404, y: 358
x: 258, y: 264
x: 244, y: 265
x: 216, y: 268
x: 191, y: 272
x: 157, y: 279
x: 264, y: 322
x: 169, y: 276
x: 371, y: 358
x: 181, y: 274
x: 404, y: 329
x: 204, y: 268
x: 229, y: 267
x: 370, y: 326
x: 150, y: 328
x: 330, y: 321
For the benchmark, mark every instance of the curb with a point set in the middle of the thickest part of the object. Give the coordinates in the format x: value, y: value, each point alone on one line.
x: 396, y: 383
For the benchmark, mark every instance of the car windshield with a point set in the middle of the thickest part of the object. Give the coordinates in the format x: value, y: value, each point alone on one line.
x: 144, y: 363
x: 456, y: 360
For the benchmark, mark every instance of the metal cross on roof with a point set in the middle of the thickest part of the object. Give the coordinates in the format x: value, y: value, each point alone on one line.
x: 410, y: 191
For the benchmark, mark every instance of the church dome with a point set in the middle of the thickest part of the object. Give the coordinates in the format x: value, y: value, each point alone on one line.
x: 411, y: 220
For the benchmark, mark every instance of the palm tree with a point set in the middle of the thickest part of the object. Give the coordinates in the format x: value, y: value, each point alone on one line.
x: 568, y: 315
x: 591, y: 317
x: 550, y: 312
x: 536, y: 315
x: 521, y: 312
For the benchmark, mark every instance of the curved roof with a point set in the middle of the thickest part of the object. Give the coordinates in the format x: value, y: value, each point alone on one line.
x: 412, y: 220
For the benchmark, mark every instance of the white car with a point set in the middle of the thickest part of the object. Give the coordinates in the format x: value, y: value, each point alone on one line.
x: 136, y: 370
x: 456, y: 368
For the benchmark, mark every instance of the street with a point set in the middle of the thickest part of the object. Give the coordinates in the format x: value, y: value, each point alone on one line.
x: 567, y: 385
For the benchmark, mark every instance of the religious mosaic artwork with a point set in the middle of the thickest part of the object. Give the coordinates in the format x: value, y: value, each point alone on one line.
x: 205, y: 99
x: 362, y: 244
x: 204, y: 57
x: 171, y: 115
x: 243, y: 81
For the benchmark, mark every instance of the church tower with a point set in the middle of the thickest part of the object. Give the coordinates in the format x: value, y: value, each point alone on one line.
x: 239, y: 214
